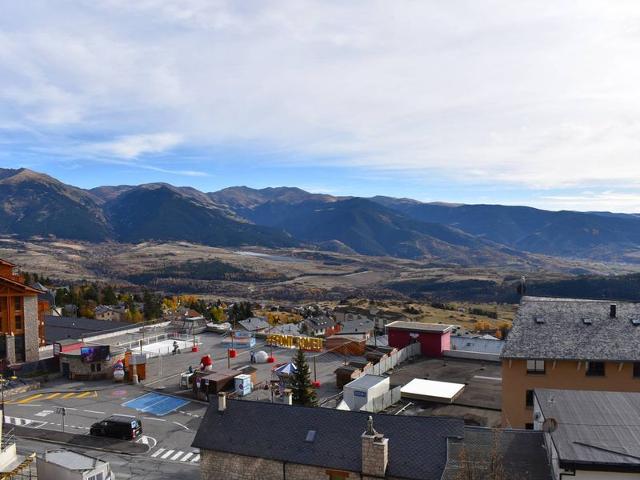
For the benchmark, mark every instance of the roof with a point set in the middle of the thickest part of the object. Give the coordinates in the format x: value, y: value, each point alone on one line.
x: 19, y: 285
x: 254, y: 323
x: 420, y: 327
x: 321, y: 322
x: 356, y: 326
x: 367, y: 381
x: 417, y: 445
x: 59, y: 328
x: 521, y: 452
x: 555, y: 329
x: 432, y: 390
x: 594, y: 428
x: 72, y: 460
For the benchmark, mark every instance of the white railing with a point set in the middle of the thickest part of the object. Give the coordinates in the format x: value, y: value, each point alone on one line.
x: 383, y: 401
x: 388, y: 362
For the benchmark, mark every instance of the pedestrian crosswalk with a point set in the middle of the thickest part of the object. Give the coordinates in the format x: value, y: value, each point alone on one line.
x: 176, y: 455
x: 22, y: 422
x: 38, y: 397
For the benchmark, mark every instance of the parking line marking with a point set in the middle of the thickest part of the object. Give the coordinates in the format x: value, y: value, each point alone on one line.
x: 169, y: 452
x: 85, y: 394
x: 157, y: 452
x: 94, y: 411
x: 31, y: 398
x: 195, y: 459
x: 53, y: 395
x: 186, y: 457
x: 177, y: 455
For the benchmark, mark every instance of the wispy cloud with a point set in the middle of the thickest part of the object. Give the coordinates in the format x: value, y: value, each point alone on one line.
x: 534, y: 94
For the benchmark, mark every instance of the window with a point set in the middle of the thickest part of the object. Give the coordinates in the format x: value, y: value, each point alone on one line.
x: 535, y: 366
x: 636, y: 370
x: 93, y: 367
x: 98, y: 367
x: 528, y: 426
x: 529, y: 398
x: 18, y: 318
x: 18, y: 303
x: 595, y: 369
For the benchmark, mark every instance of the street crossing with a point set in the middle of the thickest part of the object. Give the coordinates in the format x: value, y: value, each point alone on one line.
x: 22, y: 422
x: 176, y: 455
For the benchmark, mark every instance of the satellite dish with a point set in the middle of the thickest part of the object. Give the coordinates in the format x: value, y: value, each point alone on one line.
x: 550, y: 425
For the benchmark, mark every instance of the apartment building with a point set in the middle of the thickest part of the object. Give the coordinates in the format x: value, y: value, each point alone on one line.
x: 569, y: 344
x: 21, y: 317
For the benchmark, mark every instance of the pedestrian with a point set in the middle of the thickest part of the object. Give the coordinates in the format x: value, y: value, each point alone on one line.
x: 253, y: 357
x: 190, y: 369
x: 175, y: 347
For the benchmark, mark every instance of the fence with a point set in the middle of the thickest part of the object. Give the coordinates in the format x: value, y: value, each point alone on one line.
x: 383, y: 401
x: 388, y: 362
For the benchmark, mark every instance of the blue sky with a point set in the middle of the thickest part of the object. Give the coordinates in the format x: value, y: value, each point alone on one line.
x: 523, y: 102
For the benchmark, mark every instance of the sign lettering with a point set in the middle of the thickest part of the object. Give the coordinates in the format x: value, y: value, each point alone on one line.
x: 292, y: 341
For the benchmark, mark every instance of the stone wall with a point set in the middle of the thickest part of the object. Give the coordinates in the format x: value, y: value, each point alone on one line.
x: 82, y: 370
x: 31, y: 326
x: 228, y: 466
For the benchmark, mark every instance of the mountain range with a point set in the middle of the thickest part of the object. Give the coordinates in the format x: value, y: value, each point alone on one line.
x: 34, y: 204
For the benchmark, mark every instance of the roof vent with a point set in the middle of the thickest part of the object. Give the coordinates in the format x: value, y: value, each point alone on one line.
x: 311, y: 436
x: 613, y: 310
x: 539, y: 319
x: 587, y: 321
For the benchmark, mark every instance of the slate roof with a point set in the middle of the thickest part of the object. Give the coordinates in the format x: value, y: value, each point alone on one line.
x: 417, y: 445
x: 60, y: 328
x: 321, y: 322
x: 521, y: 452
x: 555, y: 329
x: 254, y: 323
x: 594, y: 428
x: 356, y: 326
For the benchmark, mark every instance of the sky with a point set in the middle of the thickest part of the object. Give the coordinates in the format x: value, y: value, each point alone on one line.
x: 528, y: 102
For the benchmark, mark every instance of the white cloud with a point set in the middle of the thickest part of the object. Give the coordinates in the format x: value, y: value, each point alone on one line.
x: 538, y: 94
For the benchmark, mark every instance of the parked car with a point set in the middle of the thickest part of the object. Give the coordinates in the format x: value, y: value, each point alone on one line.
x: 118, y: 426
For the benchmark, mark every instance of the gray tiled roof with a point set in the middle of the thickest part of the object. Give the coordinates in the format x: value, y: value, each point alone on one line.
x: 417, y: 445
x: 521, y: 452
x: 552, y: 328
x: 594, y: 427
x: 60, y: 328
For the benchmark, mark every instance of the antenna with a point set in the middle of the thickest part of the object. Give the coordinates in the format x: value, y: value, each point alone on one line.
x: 550, y: 425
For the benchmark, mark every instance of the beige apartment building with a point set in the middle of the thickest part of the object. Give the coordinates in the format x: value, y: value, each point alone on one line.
x: 568, y: 344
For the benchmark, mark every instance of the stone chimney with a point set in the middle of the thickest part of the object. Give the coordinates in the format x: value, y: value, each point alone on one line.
x: 222, y: 401
x: 288, y: 396
x: 375, y: 452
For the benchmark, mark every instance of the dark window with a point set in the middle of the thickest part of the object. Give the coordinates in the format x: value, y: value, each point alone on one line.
x: 18, y: 321
x: 535, y: 366
x: 636, y: 370
x: 93, y: 367
x: 98, y: 367
x: 18, y: 301
x: 595, y: 369
x: 529, y: 398
x: 528, y: 426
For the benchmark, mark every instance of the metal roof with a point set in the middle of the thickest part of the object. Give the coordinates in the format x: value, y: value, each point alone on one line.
x: 417, y: 445
x: 553, y: 329
x: 594, y: 428
x: 72, y: 460
x: 420, y: 327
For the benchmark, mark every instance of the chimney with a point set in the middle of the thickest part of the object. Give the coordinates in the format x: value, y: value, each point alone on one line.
x: 288, y: 396
x: 375, y: 452
x: 613, y: 310
x: 222, y: 401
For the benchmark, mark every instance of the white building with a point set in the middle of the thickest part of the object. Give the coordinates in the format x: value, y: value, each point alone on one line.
x: 67, y: 465
x: 357, y: 393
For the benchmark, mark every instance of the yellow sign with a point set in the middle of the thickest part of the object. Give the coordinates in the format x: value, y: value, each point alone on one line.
x: 291, y: 341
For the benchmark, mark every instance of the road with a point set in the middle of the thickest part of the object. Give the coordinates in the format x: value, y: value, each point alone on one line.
x: 168, y: 435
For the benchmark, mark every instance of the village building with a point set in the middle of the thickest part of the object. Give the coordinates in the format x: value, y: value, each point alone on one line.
x: 111, y: 313
x: 63, y: 464
x: 21, y: 317
x: 589, y: 434
x: 255, y: 324
x: 434, y: 338
x: 568, y: 344
x: 241, y: 440
x: 320, y: 326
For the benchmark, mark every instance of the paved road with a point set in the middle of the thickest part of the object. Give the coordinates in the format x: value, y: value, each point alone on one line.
x: 168, y: 434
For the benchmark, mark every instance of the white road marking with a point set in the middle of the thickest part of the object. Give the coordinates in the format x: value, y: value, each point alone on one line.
x: 43, y: 424
x: 497, y: 379
x: 196, y: 459
x: 181, y: 425
x: 157, y: 452
x: 177, y: 455
x: 154, y: 418
x: 186, y: 457
x: 44, y: 413
x: 169, y: 452
x: 93, y: 411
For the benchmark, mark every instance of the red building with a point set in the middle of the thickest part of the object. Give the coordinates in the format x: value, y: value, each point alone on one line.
x: 434, y: 338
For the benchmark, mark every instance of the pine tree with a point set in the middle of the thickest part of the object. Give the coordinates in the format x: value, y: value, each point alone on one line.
x: 300, y: 382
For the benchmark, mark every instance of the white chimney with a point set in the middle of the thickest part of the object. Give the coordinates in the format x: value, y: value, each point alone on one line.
x: 288, y: 396
x: 222, y: 401
x: 375, y: 452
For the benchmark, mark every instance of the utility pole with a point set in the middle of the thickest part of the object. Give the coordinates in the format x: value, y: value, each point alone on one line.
x: 62, y: 411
